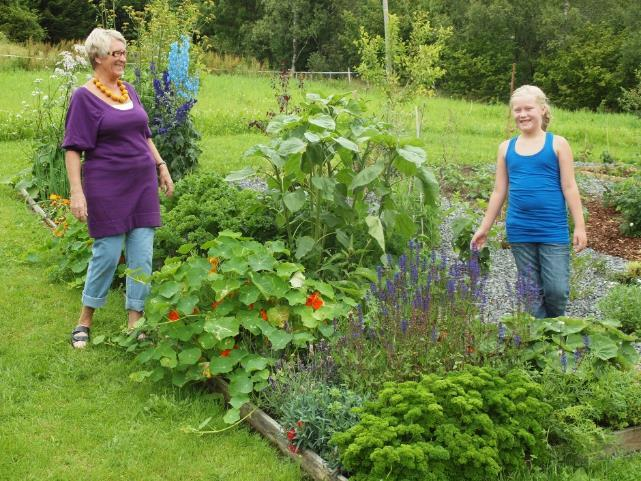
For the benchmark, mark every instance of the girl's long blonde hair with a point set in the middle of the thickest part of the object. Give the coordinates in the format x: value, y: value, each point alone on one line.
x: 539, y: 97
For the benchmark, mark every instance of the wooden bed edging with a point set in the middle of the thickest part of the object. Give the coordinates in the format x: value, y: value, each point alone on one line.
x: 37, y: 209
x: 311, y: 462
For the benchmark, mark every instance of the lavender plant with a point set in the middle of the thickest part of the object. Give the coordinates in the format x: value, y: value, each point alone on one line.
x: 425, y: 312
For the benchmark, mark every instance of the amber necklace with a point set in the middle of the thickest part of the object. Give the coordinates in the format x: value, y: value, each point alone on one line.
x: 122, y: 98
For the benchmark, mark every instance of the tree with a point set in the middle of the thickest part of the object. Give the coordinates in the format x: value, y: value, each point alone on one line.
x: 20, y: 23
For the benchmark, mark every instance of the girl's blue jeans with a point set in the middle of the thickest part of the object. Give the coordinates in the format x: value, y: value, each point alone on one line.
x: 106, y: 252
x: 546, y: 268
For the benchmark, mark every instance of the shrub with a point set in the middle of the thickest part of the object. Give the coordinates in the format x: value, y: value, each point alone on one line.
x: 587, y: 402
x: 471, y: 425
x: 625, y: 197
x: 623, y: 304
x: 204, y: 205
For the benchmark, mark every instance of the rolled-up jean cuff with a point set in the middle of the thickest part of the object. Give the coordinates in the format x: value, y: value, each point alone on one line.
x: 93, y: 302
x: 134, y: 304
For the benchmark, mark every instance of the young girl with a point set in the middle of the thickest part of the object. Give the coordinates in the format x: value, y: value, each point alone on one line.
x: 535, y: 169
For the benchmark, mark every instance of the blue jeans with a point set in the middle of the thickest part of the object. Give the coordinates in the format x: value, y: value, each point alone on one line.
x: 546, y: 269
x: 139, y: 244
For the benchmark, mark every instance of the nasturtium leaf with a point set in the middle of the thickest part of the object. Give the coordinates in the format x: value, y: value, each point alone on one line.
x: 254, y: 362
x: 367, y: 175
x: 168, y: 289
x: 261, y: 375
x: 179, y: 378
x: 286, y: 269
x: 240, y: 383
x: 249, y: 320
x: 322, y: 120
x: 189, y: 356
x: 294, y: 201
x: 326, y: 328
x: 168, y: 362
x: 248, y: 294
x: 163, y: 350
x: 239, y: 401
x: 603, y: 347
x: 222, y: 327
x: 98, y: 340
x: 186, y: 304
x: 324, y: 288
x: 221, y: 365
x: 206, y: 340
x: 304, y: 245
x: 375, y: 229
x: 79, y: 266
x: 278, y: 315
x: 297, y: 280
x: 301, y: 339
x: 224, y: 285
x: 232, y: 416
x: 346, y: 143
x: 261, y: 262
x: 295, y: 298
x: 269, y: 284
x: 260, y: 385
x: 147, y: 355
x: 179, y: 331
x: 279, y: 339
x: 307, y: 317
x: 237, y: 265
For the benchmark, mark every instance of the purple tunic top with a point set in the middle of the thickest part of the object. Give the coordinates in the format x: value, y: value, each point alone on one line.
x: 119, y: 176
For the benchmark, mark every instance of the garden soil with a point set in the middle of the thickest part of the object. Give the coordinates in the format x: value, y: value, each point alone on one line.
x: 604, y: 235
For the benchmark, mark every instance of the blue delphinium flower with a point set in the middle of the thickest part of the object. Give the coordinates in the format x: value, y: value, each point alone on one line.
x: 586, y: 341
x: 564, y: 360
x: 178, y: 69
x: 404, y: 326
x: 517, y: 340
x: 501, y: 332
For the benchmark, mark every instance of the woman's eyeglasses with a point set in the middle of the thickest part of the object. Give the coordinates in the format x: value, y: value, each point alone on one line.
x: 118, y: 53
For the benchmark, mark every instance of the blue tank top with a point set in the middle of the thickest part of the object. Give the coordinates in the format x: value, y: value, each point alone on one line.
x: 536, y: 206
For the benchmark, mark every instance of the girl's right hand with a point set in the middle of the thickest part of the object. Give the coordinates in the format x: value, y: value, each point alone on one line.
x: 79, y: 206
x: 478, y: 240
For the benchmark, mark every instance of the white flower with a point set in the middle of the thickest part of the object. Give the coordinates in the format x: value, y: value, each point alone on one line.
x: 297, y: 280
x: 631, y: 224
x: 37, y: 81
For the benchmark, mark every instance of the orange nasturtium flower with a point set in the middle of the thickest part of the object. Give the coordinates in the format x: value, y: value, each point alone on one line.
x: 173, y: 315
x: 214, y: 261
x: 225, y: 353
x: 263, y: 314
x: 315, y: 301
x: 54, y: 197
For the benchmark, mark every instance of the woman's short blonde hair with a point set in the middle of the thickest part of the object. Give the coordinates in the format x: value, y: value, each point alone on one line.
x: 98, y: 43
x: 539, y: 97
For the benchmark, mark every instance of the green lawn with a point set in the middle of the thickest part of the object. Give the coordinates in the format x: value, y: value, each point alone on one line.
x: 75, y: 415
x: 68, y: 414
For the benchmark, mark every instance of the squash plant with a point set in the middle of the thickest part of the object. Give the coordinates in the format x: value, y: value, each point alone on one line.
x: 332, y: 171
x: 231, y: 314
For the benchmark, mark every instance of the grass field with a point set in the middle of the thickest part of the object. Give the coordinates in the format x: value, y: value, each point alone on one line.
x: 75, y: 415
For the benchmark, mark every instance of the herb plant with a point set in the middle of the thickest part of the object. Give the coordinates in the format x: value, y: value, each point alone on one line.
x: 625, y: 197
x: 473, y: 425
x: 623, y: 304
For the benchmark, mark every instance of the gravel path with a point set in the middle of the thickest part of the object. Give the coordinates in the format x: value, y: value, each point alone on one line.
x: 592, y: 272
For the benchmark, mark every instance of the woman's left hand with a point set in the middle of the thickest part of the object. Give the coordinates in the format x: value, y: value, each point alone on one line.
x: 580, y: 239
x: 164, y: 180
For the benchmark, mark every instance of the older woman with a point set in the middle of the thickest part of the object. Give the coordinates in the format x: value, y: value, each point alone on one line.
x: 115, y: 188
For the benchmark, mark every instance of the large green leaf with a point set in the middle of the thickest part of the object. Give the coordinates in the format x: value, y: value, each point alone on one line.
x: 347, y: 144
x: 232, y: 416
x: 186, y: 304
x: 415, y: 155
x: 293, y: 145
x: 248, y: 294
x: 603, y: 347
x: 269, y: 285
x: 240, y: 174
x: 254, y: 362
x: 279, y: 339
x: 168, y: 289
x: 222, y: 365
x: 322, y: 120
x: 375, y: 229
x: 280, y: 121
x: 429, y: 184
x: 189, y: 356
x: 573, y: 325
x: 367, y: 175
x: 240, y: 383
x: 294, y: 201
x: 304, y: 245
x: 222, y: 327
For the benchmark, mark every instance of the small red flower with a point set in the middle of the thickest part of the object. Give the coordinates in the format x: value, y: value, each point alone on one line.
x: 299, y: 423
x: 315, y: 301
x: 291, y: 434
x: 225, y: 353
x: 173, y: 315
x: 235, y: 346
x: 293, y: 449
x: 215, y: 304
x: 263, y: 314
x: 251, y: 307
